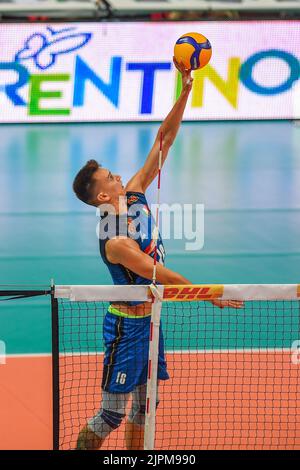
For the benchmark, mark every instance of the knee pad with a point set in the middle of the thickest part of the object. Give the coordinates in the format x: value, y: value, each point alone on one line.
x: 137, y: 413
x: 104, y: 422
x: 112, y: 418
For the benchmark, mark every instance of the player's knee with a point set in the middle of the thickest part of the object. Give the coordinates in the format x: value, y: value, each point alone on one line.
x: 112, y: 418
x: 137, y: 414
x: 142, y: 408
x: 105, y: 422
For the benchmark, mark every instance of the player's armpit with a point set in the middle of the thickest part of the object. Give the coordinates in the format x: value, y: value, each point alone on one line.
x: 135, y: 183
x: 127, y: 252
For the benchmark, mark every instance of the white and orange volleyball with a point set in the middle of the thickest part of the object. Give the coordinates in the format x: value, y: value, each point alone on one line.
x: 193, y: 50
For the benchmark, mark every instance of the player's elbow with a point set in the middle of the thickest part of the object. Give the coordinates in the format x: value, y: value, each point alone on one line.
x: 168, y: 138
x: 168, y: 141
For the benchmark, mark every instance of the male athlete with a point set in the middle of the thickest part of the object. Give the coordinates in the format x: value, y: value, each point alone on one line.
x: 130, y: 261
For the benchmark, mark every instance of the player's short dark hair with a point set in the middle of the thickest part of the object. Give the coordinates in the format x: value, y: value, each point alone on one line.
x: 83, y: 183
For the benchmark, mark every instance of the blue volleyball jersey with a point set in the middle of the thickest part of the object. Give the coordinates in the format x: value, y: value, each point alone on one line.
x: 127, y: 339
x: 137, y: 224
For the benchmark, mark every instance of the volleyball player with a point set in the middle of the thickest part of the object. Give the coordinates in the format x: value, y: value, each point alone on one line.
x: 128, y: 254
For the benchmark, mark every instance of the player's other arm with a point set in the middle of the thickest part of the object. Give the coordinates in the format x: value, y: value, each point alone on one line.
x: 169, y: 129
x: 126, y: 252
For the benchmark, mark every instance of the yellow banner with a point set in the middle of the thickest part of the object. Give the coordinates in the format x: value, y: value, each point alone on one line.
x: 192, y: 292
x: 298, y: 290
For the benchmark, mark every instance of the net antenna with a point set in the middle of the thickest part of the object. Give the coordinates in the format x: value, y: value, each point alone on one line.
x: 156, y: 229
x: 157, y: 293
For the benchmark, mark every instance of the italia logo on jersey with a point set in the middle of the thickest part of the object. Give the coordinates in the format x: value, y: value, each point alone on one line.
x: 132, y: 199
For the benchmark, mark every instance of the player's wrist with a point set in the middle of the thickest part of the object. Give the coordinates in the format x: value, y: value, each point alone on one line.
x: 186, y: 89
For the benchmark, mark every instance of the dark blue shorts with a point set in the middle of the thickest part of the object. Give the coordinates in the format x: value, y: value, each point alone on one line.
x: 126, y: 353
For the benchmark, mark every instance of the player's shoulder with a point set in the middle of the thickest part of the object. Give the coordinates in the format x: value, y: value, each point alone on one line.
x: 135, y: 184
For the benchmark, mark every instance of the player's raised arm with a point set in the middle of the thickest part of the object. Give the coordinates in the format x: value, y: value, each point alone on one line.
x: 169, y: 128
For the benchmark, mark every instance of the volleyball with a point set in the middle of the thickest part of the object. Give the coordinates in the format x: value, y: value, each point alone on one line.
x: 193, y: 50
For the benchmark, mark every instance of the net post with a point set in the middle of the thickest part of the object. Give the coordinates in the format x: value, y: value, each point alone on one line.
x: 150, y: 413
x: 55, y: 368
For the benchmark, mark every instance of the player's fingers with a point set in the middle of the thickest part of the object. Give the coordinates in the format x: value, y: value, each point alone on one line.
x: 176, y: 64
x: 236, y: 303
x: 182, y: 68
x: 219, y: 303
x: 179, y: 65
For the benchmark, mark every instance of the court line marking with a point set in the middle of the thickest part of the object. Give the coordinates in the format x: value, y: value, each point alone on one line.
x: 169, y: 351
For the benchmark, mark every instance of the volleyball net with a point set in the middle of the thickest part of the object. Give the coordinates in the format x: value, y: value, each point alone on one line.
x: 234, y: 375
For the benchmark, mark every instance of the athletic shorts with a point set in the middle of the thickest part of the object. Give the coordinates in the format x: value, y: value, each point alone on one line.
x: 126, y: 353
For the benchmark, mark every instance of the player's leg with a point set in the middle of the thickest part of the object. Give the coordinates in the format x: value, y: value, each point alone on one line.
x: 136, y: 420
x: 135, y: 424
x: 134, y: 427
x: 88, y: 440
x: 134, y: 436
x: 109, y: 418
x: 114, y: 399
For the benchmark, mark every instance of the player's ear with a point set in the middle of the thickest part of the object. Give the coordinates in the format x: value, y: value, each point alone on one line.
x: 102, y: 198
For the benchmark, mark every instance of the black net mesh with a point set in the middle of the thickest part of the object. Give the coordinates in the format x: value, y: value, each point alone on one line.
x: 234, y: 375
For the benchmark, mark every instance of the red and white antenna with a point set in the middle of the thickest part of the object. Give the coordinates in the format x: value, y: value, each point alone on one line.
x: 157, y: 291
x: 156, y: 230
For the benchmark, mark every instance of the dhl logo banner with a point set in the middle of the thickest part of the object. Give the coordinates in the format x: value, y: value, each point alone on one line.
x: 188, y: 293
x: 124, y: 71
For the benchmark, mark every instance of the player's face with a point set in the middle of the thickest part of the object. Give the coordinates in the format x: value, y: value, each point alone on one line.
x: 109, y: 186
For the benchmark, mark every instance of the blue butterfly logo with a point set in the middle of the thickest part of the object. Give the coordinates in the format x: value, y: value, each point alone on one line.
x: 43, y: 49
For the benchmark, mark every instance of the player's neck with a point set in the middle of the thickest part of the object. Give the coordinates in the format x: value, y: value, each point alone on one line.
x: 120, y: 205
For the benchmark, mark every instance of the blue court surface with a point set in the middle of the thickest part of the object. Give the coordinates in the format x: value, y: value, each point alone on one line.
x: 247, y: 175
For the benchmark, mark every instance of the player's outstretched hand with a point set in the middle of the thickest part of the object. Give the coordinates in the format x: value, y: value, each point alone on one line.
x: 187, y: 81
x: 228, y: 303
